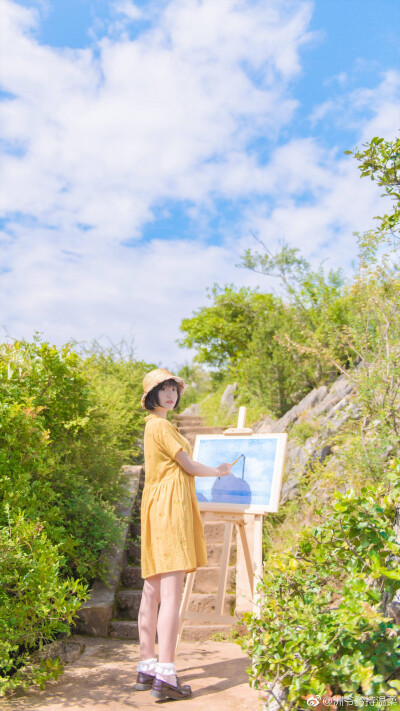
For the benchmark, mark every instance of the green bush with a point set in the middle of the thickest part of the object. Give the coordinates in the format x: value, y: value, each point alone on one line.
x: 35, y: 601
x: 322, y: 623
x: 68, y: 422
x: 67, y: 425
x: 117, y: 438
x: 198, y: 383
x: 301, y: 431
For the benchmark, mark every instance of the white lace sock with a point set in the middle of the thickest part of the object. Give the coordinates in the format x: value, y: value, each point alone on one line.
x: 166, y: 671
x: 148, y: 666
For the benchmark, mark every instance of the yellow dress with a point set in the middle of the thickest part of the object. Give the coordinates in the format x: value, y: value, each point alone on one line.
x: 172, y: 533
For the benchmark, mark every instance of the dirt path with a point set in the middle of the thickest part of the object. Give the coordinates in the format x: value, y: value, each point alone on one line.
x: 104, y: 675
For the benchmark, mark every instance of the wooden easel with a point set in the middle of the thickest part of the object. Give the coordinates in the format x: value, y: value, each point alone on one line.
x: 253, y: 562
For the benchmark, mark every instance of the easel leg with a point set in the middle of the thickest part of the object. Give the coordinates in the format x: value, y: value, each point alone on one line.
x: 223, y: 575
x: 246, y: 552
x: 258, y: 560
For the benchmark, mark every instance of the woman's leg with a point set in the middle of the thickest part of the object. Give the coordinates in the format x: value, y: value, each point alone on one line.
x: 166, y: 685
x: 147, y: 618
x: 171, y: 587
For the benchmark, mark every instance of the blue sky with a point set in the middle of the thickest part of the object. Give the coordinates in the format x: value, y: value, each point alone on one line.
x: 143, y: 143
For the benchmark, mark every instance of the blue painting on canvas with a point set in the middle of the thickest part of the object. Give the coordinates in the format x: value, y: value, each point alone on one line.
x: 250, y: 481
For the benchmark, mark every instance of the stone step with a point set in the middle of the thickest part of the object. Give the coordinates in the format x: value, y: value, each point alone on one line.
x: 133, y: 550
x: 131, y: 578
x: 204, y: 602
x: 185, y: 415
x: 125, y: 629
x: 135, y: 529
x: 185, y: 431
x: 186, y: 421
x: 214, y: 553
x: 128, y: 603
x: 214, y: 531
x: 199, y: 633
x: 128, y: 629
x: 206, y: 580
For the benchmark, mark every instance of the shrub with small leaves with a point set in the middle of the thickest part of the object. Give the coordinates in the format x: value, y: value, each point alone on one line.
x: 65, y: 431
x: 321, y: 623
x: 36, y: 603
x: 67, y: 424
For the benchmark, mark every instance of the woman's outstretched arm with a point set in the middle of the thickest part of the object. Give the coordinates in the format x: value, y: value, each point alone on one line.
x: 196, y: 469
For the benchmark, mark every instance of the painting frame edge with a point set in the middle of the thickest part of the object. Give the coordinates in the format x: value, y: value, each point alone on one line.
x: 276, y: 484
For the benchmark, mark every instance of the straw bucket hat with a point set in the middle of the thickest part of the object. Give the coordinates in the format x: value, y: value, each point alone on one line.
x: 157, y: 376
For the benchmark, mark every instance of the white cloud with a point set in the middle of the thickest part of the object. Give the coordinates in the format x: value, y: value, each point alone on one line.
x: 318, y: 201
x: 322, y: 110
x: 370, y: 112
x: 103, y: 139
x: 316, y: 198
x: 100, y: 141
x: 125, y: 7
x: 113, y: 290
x: 384, y: 104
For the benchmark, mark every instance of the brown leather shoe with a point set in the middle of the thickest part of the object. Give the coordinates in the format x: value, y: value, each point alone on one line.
x: 144, y: 681
x: 162, y: 690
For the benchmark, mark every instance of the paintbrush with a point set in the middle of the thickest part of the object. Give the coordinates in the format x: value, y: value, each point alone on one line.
x: 236, y: 460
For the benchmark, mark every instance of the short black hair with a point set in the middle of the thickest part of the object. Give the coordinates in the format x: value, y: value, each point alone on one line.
x: 151, y: 399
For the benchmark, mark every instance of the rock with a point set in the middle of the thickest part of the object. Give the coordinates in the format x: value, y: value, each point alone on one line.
x: 290, y: 489
x: 228, y: 399
x: 297, y: 457
x: 192, y: 410
x: 307, y: 403
x: 326, y: 409
x: 324, y: 452
x: 338, y: 393
x: 319, y: 455
x: 265, y: 425
x: 393, y: 610
x: 67, y: 651
x: 313, y: 398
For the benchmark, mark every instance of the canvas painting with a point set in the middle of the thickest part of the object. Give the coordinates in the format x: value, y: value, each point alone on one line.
x: 255, y: 481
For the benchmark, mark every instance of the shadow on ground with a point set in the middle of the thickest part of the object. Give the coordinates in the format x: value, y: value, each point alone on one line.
x: 104, y: 677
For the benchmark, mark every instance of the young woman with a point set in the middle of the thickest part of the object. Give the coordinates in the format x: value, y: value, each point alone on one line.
x: 172, y: 534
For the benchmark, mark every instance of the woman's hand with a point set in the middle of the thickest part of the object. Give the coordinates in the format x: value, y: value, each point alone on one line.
x: 224, y: 469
